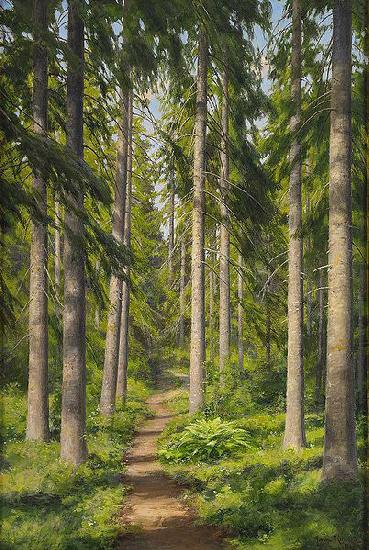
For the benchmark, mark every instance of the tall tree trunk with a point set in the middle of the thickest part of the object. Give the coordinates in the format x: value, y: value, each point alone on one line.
x: 309, y: 296
x: 38, y: 409
x: 340, y: 458
x: 268, y: 333
x: 361, y: 355
x: 58, y: 256
x: 294, y: 435
x: 240, y: 316
x: 73, y: 446
x: 197, y: 346
x: 321, y: 347
x: 97, y: 308
x: 224, y: 285
x: 182, y: 283
x: 110, y: 373
x: 123, y: 343
x: 171, y: 229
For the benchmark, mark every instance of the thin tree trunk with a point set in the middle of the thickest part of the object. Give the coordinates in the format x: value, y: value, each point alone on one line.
x: 340, y: 457
x: 123, y: 343
x: 171, y: 230
x: 309, y: 297
x: 110, y: 373
x: 73, y: 446
x: 361, y: 355
x: 268, y: 332
x: 294, y: 435
x: 321, y: 350
x: 197, y: 346
x: 57, y: 257
x: 38, y: 409
x: 211, y: 315
x: 224, y: 285
x: 182, y: 304
x: 97, y: 308
x: 240, y: 316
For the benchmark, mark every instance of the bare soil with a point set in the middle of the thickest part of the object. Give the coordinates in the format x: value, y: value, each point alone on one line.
x: 154, y: 515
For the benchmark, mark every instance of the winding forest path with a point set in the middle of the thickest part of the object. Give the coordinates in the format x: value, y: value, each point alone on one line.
x: 154, y: 506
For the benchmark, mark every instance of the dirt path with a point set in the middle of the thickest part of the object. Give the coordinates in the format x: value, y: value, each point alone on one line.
x: 154, y: 506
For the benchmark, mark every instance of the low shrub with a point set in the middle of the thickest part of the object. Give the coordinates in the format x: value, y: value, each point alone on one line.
x: 205, y: 440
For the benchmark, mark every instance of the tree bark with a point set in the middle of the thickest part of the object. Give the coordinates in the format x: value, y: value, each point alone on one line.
x: 224, y: 286
x: 123, y: 343
x: 361, y: 355
x: 97, y: 307
x: 321, y: 347
x: 294, y: 435
x: 211, y: 315
x: 171, y: 230
x: 268, y: 332
x: 73, y: 446
x: 182, y: 283
x: 309, y: 297
x: 110, y: 373
x: 38, y: 408
x: 340, y: 457
x: 197, y: 346
x: 240, y: 316
x: 58, y: 256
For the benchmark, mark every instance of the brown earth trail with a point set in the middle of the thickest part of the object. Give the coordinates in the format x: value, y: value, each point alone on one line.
x: 154, y: 506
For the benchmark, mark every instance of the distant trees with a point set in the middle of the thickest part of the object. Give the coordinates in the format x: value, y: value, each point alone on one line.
x: 224, y: 248
x: 124, y: 324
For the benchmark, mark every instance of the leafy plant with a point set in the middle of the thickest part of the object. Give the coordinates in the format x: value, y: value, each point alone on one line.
x: 205, y: 440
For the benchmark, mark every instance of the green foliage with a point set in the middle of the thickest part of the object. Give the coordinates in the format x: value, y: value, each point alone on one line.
x: 205, y: 440
x: 46, y: 501
x: 264, y: 496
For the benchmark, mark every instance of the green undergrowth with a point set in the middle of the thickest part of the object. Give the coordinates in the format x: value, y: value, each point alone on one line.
x: 263, y: 496
x: 46, y: 503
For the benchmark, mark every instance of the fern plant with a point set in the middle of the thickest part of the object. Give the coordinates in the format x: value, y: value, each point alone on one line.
x: 205, y: 440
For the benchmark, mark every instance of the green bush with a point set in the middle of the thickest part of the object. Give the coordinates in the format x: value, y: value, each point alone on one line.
x: 205, y: 440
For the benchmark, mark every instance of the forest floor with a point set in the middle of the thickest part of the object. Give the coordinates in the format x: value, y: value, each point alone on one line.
x: 154, y: 516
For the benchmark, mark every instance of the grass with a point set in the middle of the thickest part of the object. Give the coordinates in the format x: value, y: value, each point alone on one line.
x: 266, y: 497
x: 48, y: 504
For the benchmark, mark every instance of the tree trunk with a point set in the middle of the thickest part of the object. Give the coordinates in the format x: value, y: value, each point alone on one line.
x: 309, y: 296
x: 110, y: 373
x: 224, y: 286
x: 361, y: 358
x: 197, y: 346
x: 38, y: 408
x: 73, y: 446
x: 97, y: 308
x: 240, y: 316
x: 268, y: 332
x: 171, y: 230
x: 182, y: 304
x: 57, y: 257
x: 321, y: 350
x: 294, y: 435
x: 123, y: 343
x: 211, y: 314
x: 340, y: 458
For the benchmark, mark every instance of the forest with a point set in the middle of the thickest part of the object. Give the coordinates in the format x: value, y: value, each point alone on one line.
x: 184, y: 274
